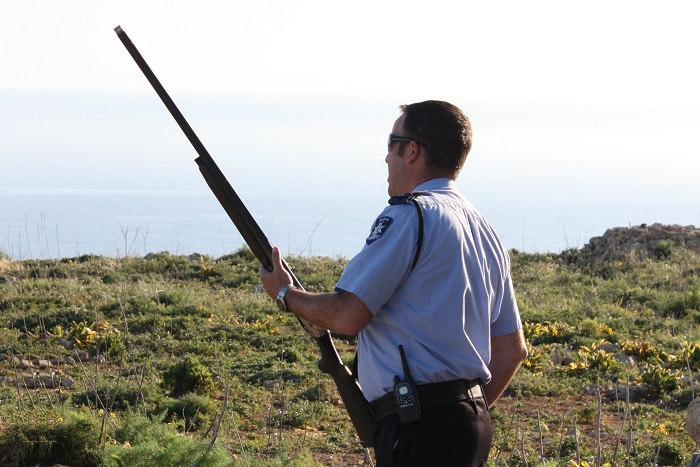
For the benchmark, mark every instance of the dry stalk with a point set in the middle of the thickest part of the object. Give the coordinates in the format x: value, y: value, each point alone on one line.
x: 46, y: 390
x: 513, y: 420
x: 93, y: 387
x: 598, y: 422
x: 656, y: 458
x: 283, y: 402
x: 20, y: 401
x: 690, y: 371
x: 539, y: 429
x: 29, y: 395
x: 578, y: 450
x: 515, y: 438
x: 269, y: 431
x: 235, y: 430
x: 128, y: 246
x: 522, y: 449
x: 628, y: 408
x: 217, y: 424
x: 619, y: 434
x: 561, y: 440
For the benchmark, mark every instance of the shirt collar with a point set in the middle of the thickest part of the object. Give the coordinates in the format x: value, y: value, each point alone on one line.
x: 436, y: 184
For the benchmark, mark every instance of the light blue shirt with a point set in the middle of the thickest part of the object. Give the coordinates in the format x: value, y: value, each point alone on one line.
x: 443, y: 311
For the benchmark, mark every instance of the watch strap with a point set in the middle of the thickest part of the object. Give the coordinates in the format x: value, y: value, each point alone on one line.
x: 281, y: 302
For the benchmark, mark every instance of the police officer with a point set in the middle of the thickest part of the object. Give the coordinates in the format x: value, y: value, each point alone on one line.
x: 431, y: 298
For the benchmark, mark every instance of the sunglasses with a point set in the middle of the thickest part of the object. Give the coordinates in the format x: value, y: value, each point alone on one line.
x: 393, y: 138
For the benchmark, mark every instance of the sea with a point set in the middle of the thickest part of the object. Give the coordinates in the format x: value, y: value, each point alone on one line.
x: 112, y: 175
x: 66, y: 223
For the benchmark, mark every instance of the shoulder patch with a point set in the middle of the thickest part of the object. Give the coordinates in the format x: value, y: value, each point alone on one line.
x: 379, y: 228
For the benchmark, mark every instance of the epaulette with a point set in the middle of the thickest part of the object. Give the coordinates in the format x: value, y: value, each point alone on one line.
x: 410, y: 198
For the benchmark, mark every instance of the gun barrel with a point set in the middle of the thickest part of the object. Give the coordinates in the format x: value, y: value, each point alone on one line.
x: 330, y: 362
x: 234, y: 207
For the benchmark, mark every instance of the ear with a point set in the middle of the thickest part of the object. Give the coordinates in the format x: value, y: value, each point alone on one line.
x: 413, y: 153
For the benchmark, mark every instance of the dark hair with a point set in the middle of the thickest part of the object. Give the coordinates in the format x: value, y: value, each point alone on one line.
x: 442, y: 129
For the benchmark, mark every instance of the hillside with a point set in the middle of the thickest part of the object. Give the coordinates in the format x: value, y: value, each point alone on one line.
x: 110, y: 361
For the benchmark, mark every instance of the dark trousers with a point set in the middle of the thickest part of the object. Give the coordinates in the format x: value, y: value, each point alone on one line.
x: 451, y: 434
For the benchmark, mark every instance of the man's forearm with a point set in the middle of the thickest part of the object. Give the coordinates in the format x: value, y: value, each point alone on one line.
x: 341, y: 312
x: 507, y: 353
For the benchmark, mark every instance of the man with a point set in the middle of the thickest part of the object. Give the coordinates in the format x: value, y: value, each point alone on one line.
x: 431, y: 298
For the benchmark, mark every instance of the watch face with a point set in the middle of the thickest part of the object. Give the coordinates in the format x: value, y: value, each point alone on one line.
x: 281, y: 303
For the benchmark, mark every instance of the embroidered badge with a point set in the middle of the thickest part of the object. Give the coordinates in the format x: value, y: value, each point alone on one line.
x: 380, y: 227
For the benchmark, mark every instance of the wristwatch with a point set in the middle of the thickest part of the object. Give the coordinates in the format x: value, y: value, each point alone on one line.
x: 281, y: 302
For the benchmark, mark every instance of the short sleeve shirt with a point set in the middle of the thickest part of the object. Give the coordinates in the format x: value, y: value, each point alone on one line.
x: 445, y: 309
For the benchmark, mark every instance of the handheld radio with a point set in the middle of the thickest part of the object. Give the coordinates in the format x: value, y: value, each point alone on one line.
x: 406, y: 394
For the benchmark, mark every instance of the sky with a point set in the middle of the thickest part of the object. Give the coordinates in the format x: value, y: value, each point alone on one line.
x: 564, y: 97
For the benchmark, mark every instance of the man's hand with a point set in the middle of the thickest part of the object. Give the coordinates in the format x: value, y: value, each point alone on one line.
x: 341, y: 312
x: 274, y: 280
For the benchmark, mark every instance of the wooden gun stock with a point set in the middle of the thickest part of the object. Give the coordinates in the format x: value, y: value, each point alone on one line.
x: 357, y: 406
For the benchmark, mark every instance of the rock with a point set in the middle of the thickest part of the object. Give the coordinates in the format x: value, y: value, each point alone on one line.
x: 23, y: 363
x: 692, y: 422
x: 65, y: 343
x: 620, y: 393
x: 41, y: 363
x: 556, y: 358
x: 567, y: 361
x: 81, y: 356
x: 608, y: 347
x: 52, y: 381
x: 642, y: 241
x: 628, y: 359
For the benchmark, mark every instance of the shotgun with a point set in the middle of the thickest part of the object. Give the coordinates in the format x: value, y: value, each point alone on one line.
x: 358, y: 408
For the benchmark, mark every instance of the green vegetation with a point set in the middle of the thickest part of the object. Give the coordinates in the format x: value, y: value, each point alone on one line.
x: 174, y: 360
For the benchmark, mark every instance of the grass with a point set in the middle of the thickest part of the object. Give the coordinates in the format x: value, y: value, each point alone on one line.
x: 185, y: 362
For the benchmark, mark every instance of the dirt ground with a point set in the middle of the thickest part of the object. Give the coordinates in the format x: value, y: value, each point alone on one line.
x: 556, y: 417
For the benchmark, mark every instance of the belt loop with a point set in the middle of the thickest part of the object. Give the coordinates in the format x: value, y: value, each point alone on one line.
x: 473, y: 400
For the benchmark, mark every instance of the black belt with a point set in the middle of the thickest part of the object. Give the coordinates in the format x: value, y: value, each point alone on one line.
x: 431, y: 394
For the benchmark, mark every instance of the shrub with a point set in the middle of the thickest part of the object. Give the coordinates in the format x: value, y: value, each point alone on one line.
x: 142, y: 441
x: 691, y: 356
x: 188, y: 375
x: 548, y: 332
x: 661, y: 453
x: 663, y: 249
x: 659, y: 381
x: 192, y: 411
x: 641, y: 350
x: 51, y: 439
x: 121, y: 397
